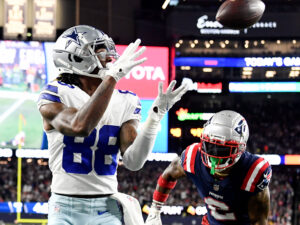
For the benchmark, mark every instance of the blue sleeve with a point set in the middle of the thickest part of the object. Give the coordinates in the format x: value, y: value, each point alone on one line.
x: 264, y: 179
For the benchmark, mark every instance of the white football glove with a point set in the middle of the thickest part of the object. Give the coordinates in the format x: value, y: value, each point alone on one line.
x: 153, y: 217
x: 165, y: 101
x: 126, y: 62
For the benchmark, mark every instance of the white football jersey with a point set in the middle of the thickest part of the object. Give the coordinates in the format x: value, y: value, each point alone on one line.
x: 87, y: 166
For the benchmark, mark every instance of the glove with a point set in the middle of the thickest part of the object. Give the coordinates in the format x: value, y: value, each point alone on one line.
x: 165, y: 101
x: 154, y: 216
x: 126, y: 62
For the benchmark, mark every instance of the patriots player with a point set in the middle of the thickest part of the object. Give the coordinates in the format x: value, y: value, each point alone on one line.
x: 89, y: 124
x: 232, y: 182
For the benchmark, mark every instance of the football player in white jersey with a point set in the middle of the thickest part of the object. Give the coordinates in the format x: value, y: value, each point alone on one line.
x: 89, y: 124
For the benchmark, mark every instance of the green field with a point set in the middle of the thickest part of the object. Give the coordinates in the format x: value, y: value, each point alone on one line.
x: 9, y: 127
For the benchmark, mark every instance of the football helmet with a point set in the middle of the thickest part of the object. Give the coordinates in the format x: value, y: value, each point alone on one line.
x: 75, y: 51
x: 223, y: 140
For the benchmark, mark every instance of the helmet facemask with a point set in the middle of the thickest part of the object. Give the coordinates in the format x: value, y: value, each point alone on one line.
x: 105, y: 43
x: 219, y: 155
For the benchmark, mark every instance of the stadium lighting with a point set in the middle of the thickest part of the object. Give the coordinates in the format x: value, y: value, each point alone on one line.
x: 248, y: 68
x: 270, y: 73
x: 207, y: 70
x: 166, y: 3
x: 196, y: 132
x: 176, y: 132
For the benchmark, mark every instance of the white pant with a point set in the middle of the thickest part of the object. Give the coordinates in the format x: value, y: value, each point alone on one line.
x: 64, y: 210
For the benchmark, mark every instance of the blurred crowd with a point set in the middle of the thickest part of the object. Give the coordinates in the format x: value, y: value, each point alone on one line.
x: 273, y: 129
x: 282, y: 195
x: 36, y: 179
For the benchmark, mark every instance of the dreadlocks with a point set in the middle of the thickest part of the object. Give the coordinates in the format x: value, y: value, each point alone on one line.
x: 69, y: 79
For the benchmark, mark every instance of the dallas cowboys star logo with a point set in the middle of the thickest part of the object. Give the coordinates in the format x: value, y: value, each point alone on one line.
x: 73, y: 37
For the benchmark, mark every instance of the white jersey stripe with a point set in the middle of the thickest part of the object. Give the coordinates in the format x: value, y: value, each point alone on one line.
x: 189, y: 157
x: 254, y: 174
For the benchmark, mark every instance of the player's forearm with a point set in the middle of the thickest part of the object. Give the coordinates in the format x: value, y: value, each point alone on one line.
x: 166, y: 178
x: 89, y: 115
x: 136, y: 154
x: 164, y: 186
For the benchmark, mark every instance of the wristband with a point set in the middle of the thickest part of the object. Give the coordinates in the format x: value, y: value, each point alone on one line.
x: 160, y: 197
x: 166, y: 184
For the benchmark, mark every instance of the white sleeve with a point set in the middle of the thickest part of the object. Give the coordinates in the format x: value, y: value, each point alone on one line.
x: 49, y: 94
x: 136, y: 154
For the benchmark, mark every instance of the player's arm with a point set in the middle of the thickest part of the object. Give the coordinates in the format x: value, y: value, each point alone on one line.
x: 81, y: 122
x: 258, y: 207
x: 137, y: 147
x: 128, y: 134
x: 170, y: 175
x: 166, y: 182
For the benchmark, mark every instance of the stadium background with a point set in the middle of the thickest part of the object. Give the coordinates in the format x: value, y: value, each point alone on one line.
x: 189, y: 46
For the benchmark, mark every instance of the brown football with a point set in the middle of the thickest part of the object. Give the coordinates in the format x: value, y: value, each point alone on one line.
x: 240, y: 14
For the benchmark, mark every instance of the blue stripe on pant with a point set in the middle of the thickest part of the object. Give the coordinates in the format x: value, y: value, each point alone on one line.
x: 65, y: 210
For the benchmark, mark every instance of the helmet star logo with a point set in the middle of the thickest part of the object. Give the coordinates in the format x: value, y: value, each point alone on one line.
x: 73, y: 37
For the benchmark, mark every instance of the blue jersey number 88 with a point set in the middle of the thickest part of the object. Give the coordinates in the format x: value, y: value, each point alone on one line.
x: 78, y: 157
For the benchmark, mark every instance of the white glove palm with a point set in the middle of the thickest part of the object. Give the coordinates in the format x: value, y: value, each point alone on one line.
x: 126, y: 62
x: 165, y: 101
x: 153, y: 217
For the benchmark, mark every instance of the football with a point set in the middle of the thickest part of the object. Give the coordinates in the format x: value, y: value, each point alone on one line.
x: 240, y: 14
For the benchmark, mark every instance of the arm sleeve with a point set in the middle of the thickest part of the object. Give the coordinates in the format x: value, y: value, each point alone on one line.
x: 258, y: 176
x: 264, y: 180
x: 136, y: 154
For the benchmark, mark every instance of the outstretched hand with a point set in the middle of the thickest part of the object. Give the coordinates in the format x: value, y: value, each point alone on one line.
x: 127, y: 61
x: 165, y: 101
x: 153, y: 217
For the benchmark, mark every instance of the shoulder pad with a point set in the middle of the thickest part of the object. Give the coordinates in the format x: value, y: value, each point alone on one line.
x: 49, y: 94
x: 258, y: 176
x: 188, y: 157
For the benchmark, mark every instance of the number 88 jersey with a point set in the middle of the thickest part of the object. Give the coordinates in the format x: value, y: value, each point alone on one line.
x: 87, y: 165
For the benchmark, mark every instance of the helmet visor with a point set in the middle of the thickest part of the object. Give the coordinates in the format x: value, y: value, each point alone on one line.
x: 218, y: 155
x: 217, y: 150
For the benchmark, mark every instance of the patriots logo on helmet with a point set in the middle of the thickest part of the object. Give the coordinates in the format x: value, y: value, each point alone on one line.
x: 241, y: 127
x: 73, y: 38
x: 266, y: 179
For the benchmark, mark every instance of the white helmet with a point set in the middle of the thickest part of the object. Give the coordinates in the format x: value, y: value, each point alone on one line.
x: 223, y: 140
x: 74, y: 50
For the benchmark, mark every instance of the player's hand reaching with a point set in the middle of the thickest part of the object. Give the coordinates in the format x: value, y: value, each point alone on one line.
x: 154, y: 216
x: 165, y: 101
x: 127, y: 61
